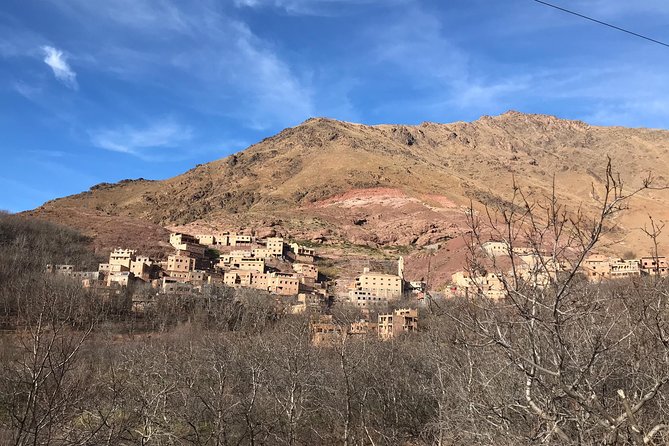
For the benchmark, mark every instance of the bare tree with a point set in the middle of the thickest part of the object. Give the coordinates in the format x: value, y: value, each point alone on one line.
x: 45, y: 378
x: 568, y: 341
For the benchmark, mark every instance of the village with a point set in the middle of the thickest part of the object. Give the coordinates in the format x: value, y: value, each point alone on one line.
x: 285, y: 270
x: 540, y: 269
x: 288, y: 271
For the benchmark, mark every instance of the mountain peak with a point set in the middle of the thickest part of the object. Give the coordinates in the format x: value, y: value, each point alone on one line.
x: 289, y: 173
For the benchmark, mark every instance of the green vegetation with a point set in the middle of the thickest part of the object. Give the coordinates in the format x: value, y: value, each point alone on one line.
x: 212, y: 253
x: 369, y: 251
x: 399, y: 250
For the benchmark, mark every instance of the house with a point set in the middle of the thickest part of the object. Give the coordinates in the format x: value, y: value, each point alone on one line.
x: 233, y: 256
x: 307, y: 302
x: 417, y: 287
x: 142, y: 267
x: 206, y: 239
x: 490, y: 285
x: 363, y: 327
x: 248, y: 264
x: 400, y: 321
x: 275, y: 246
x: 86, y: 275
x: 237, y: 278
x: 387, y: 286
x: 179, y: 240
x: 365, y: 298
x: 187, y: 245
x: 654, y: 266
x: 240, y: 240
x: 245, y: 278
x: 215, y: 278
x: 284, y: 284
x: 261, y: 253
x: 324, y: 331
x: 122, y: 257
x: 496, y: 248
x: 121, y: 279
x: 179, y: 264
x: 306, y: 270
x: 225, y: 239
x: 94, y: 284
x: 302, y: 250
x: 598, y: 267
x: 171, y: 285
x: 620, y: 268
x: 539, y: 270
x: 233, y: 239
x: 62, y: 270
x: 301, y: 253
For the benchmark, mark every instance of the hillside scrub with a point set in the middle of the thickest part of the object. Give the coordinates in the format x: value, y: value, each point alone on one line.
x: 27, y: 245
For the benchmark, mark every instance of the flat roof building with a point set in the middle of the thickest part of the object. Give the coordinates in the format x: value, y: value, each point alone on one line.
x: 388, y: 286
x: 400, y: 321
x: 306, y: 270
x: 180, y: 263
x: 284, y: 284
x: 654, y: 265
x: 324, y: 331
x: 275, y: 246
x: 123, y: 257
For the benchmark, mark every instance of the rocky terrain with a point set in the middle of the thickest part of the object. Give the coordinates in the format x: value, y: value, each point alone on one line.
x: 391, y: 188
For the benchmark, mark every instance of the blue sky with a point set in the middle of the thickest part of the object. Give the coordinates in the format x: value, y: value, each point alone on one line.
x: 102, y: 90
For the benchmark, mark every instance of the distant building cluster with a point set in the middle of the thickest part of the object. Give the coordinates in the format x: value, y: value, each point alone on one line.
x: 377, y: 289
x: 325, y: 331
x: 194, y: 264
x: 539, y: 270
x: 600, y: 267
x: 273, y: 265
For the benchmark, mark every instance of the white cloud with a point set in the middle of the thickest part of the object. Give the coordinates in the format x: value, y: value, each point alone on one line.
x: 238, y: 74
x: 143, y: 142
x: 61, y: 69
x: 269, y: 80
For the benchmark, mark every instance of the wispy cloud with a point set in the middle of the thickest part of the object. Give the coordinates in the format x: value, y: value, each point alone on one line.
x: 316, y: 7
x: 239, y: 75
x: 26, y: 90
x: 148, y: 17
x: 270, y: 82
x: 418, y: 47
x: 414, y: 43
x: 48, y: 153
x: 619, y: 9
x: 55, y: 58
x: 486, y: 95
x: 143, y: 142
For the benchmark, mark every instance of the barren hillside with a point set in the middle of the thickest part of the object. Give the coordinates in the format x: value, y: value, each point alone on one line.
x: 385, y: 185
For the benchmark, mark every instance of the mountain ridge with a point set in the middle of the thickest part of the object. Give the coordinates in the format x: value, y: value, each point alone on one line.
x: 397, y: 175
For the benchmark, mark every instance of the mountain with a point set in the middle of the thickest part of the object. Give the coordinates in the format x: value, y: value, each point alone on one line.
x: 383, y: 185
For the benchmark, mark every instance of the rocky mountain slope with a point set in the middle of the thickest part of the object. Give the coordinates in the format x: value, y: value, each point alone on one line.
x: 384, y: 185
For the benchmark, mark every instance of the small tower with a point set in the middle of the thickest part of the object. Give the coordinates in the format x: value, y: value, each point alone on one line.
x: 400, y: 267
